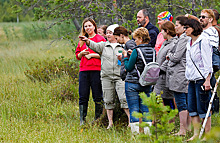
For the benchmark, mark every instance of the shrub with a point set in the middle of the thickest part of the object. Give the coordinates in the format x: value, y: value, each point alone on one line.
x: 161, y: 115
x: 47, y: 70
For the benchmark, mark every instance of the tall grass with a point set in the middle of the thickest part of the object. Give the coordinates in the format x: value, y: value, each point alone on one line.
x: 29, y: 112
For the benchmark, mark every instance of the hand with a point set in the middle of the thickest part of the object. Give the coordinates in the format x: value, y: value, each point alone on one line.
x: 124, y: 52
x: 207, y: 85
x: 84, y: 52
x: 119, y: 56
x: 129, y: 51
x: 88, y: 56
x: 187, y: 15
x: 167, y: 57
x: 83, y: 38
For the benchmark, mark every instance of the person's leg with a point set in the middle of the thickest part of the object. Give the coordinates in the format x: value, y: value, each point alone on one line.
x: 120, y: 89
x: 108, y: 87
x: 110, y: 118
x: 96, y: 87
x: 203, y: 98
x: 144, y: 109
x: 84, y: 90
x: 196, y: 125
x: 180, y: 99
x: 133, y: 104
x: 192, y: 108
x: 207, y: 126
x: 132, y: 100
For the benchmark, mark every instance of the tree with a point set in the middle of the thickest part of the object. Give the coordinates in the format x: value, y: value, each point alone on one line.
x: 109, y: 11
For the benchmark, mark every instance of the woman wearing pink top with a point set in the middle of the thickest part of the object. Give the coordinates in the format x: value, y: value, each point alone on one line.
x: 162, y: 18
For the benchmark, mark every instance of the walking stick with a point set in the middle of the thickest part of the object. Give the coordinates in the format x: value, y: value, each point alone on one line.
x: 210, y: 105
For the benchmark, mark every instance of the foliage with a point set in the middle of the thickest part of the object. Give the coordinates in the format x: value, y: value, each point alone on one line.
x: 111, y: 11
x: 34, y: 31
x: 47, y: 70
x: 160, y: 115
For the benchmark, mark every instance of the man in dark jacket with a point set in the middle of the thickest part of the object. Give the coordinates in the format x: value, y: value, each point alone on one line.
x: 143, y: 21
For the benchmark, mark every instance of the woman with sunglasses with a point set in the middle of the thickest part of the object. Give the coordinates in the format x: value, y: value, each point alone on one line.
x: 90, y: 67
x: 176, y: 80
x: 198, y: 72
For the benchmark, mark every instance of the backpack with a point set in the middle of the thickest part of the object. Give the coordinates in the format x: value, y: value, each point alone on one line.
x: 216, y: 52
x: 150, y: 75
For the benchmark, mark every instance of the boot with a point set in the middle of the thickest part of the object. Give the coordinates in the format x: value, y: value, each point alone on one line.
x: 98, y: 110
x: 135, y: 127
x: 83, y: 113
x: 147, y: 129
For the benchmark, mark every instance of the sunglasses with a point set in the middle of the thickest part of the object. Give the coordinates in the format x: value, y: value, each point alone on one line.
x: 186, y: 27
x: 203, y: 17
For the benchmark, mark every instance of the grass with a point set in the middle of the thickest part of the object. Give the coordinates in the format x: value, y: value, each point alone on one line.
x: 28, y: 110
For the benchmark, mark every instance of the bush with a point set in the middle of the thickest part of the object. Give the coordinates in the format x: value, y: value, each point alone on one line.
x: 161, y: 115
x: 47, y: 70
x: 63, y: 73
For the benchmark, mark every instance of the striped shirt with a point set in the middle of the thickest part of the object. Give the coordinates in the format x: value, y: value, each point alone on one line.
x: 212, y: 34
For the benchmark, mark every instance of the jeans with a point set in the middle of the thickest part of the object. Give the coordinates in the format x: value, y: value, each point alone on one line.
x: 180, y: 99
x: 89, y: 79
x: 134, y: 101
x: 198, y: 100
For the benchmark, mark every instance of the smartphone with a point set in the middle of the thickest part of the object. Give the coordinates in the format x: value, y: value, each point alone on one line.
x: 203, y: 87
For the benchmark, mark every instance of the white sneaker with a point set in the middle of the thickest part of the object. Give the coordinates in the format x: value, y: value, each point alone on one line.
x: 147, y: 129
x: 135, y: 127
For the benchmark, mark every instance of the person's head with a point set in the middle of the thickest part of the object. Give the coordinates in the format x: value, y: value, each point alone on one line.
x: 168, y: 30
x: 180, y: 22
x: 120, y: 33
x: 109, y: 33
x: 143, y: 18
x: 193, y: 28
x: 163, y: 17
x: 216, y: 14
x: 102, y: 30
x: 89, y: 27
x: 141, y: 36
x: 206, y: 18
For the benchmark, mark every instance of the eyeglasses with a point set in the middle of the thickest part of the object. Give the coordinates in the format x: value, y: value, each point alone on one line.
x: 203, y: 16
x: 186, y: 27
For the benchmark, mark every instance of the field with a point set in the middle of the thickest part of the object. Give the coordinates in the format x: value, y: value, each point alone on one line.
x: 29, y: 111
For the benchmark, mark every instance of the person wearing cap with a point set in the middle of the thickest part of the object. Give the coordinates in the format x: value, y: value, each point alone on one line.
x: 162, y: 18
x: 110, y: 72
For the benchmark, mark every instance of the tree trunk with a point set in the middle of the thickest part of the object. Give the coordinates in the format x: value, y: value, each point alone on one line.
x: 76, y: 23
x: 17, y: 18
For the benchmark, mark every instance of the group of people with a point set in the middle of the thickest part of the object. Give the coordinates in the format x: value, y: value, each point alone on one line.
x: 187, y: 53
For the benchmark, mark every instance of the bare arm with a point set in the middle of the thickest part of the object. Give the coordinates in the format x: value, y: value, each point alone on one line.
x: 93, y: 55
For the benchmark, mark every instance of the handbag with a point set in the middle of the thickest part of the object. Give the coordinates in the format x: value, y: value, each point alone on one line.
x: 150, y: 74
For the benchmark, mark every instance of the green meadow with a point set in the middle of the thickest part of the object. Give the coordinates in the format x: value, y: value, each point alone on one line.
x: 29, y: 110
